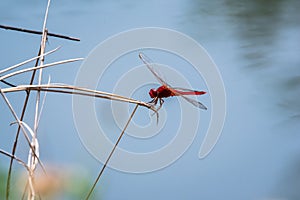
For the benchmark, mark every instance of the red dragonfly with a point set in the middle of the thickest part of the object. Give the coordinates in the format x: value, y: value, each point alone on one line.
x: 165, y: 90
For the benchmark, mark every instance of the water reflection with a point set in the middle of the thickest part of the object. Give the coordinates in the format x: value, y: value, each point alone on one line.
x: 257, y: 28
x: 263, y: 42
x: 288, y: 186
x: 265, y: 34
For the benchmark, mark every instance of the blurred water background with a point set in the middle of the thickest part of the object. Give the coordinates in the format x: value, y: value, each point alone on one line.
x: 256, y: 46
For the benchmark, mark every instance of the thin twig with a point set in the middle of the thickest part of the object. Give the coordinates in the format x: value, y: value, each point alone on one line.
x: 70, y: 89
x: 14, y: 157
x: 7, y: 83
x: 14, y: 148
x: 27, y: 61
x: 111, y: 153
x: 22, y: 63
x: 43, y: 102
x: 34, y: 141
x: 39, y: 67
x: 38, y: 32
x: 20, y: 124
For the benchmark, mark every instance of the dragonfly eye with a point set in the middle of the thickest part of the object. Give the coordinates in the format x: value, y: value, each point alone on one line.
x: 152, y: 93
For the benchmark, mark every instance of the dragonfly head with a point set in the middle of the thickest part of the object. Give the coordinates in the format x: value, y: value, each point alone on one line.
x: 153, y: 93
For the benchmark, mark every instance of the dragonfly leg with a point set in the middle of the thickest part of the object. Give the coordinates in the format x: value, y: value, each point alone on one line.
x: 154, y: 101
x: 161, y: 102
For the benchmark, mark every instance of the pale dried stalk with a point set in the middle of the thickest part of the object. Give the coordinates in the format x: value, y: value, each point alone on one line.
x: 32, y: 157
x: 39, y: 67
x: 27, y: 61
x: 22, y: 115
x: 111, y: 153
x: 14, y: 157
x: 43, y: 103
x: 21, y: 125
x: 31, y: 69
x: 70, y: 89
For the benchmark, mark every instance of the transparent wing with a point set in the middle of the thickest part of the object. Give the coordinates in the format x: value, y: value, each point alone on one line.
x: 149, y: 63
x: 182, y: 91
x: 195, y: 103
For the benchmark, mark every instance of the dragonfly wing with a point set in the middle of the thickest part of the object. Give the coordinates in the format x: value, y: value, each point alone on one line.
x: 192, y: 101
x: 149, y: 63
x: 195, y: 103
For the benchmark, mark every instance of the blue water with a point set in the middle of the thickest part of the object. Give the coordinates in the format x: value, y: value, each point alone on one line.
x: 256, y: 47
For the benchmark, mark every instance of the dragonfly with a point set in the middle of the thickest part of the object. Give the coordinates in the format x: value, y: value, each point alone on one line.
x: 165, y: 90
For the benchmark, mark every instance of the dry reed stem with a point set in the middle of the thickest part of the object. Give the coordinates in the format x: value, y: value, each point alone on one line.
x: 14, y: 148
x: 14, y: 157
x: 43, y: 102
x: 31, y: 81
x: 38, y: 32
x: 39, y: 67
x: 33, y: 155
x: 34, y: 141
x: 27, y: 61
x: 111, y: 153
x: 70, y: 89
x: 20, y: 125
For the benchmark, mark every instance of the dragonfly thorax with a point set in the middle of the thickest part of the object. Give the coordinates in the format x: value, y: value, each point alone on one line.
x: 161, y: 92
x: 153, y: 93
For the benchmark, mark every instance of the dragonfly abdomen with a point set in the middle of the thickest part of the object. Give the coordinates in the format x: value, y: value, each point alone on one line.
x: 190, y: 92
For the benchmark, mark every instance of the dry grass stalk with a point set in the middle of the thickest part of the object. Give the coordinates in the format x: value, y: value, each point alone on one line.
x: 21, y: 124
x: 70, y: 89
x: 111, y: 153
x: 39, y: 67
x: 14, y: 157
x: 27, y: 61
x: 33, y: 154
x: 39, y: 32
x: 32, y: 157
